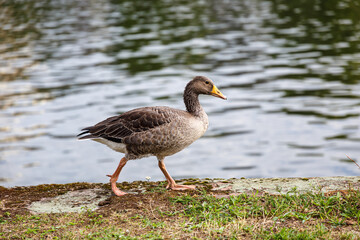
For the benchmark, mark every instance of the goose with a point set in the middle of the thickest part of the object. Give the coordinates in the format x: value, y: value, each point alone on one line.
x: 155, y: 131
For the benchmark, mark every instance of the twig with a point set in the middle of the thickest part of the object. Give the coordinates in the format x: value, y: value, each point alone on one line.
x: 353, y: 161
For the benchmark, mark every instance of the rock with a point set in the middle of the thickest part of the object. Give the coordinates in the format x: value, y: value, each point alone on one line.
x: 72, y: 201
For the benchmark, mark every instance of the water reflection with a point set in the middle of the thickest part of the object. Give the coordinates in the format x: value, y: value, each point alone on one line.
x: 290, y: 70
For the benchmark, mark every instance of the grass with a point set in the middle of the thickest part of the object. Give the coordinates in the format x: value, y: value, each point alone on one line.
x: 197, y: 215
x: 305, y: 216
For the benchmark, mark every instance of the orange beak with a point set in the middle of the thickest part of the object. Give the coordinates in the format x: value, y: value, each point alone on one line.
x: 216, y: 93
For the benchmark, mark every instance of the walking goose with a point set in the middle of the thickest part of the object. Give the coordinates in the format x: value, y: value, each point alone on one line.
x: 155, y: 131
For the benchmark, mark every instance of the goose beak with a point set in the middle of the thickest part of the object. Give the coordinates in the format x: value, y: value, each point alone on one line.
x: 216, y: 93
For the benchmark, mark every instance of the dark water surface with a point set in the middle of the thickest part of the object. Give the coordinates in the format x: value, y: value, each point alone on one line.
x: 290, y: 70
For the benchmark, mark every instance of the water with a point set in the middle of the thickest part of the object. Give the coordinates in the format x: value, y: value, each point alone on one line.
x: 290, y: 70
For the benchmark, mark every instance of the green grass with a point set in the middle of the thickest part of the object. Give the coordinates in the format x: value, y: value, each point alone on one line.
x: 217, y: 215
x: 333, y: 209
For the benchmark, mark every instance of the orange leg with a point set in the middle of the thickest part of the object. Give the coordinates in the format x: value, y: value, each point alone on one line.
x: 115, y: 176
x: 171, y: 183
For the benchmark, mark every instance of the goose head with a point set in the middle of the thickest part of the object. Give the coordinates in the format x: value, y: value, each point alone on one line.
x: 204, y: 85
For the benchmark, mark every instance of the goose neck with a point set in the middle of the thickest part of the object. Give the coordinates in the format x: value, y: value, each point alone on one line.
x: 192, y: 103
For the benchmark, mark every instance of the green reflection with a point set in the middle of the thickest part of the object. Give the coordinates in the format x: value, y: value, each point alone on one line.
x: 148, y: 24
x: 17, y: 32
x: 330, y: 27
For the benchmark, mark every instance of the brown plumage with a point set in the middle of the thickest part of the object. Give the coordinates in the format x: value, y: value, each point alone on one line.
x: 158, y: 131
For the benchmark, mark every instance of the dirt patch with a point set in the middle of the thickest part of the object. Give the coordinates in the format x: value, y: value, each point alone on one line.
x: 149, y: 204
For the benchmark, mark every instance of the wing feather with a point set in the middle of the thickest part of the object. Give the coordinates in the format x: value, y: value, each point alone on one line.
x: 118, y: 127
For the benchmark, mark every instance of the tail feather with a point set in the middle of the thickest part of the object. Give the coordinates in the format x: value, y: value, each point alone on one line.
x: 85, y: 131
x: 87, y: 137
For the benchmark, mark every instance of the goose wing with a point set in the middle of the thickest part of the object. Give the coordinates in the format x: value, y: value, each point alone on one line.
x: 118, y: 127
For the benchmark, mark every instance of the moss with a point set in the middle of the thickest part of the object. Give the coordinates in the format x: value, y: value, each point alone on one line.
x: 187, y: 183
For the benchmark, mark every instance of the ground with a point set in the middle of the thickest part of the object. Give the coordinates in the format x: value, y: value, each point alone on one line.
x: 214, y: 210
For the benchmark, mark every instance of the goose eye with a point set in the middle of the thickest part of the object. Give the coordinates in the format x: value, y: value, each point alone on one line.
x: 207, y: 82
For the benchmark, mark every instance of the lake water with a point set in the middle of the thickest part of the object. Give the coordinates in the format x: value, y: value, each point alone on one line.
x: 290, y: 70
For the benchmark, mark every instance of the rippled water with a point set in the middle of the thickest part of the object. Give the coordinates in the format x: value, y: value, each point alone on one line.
x: 290, y: 70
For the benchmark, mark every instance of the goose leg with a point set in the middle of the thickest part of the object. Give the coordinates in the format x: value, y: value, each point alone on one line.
x: 171, y: 183
x: 115, y: 176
